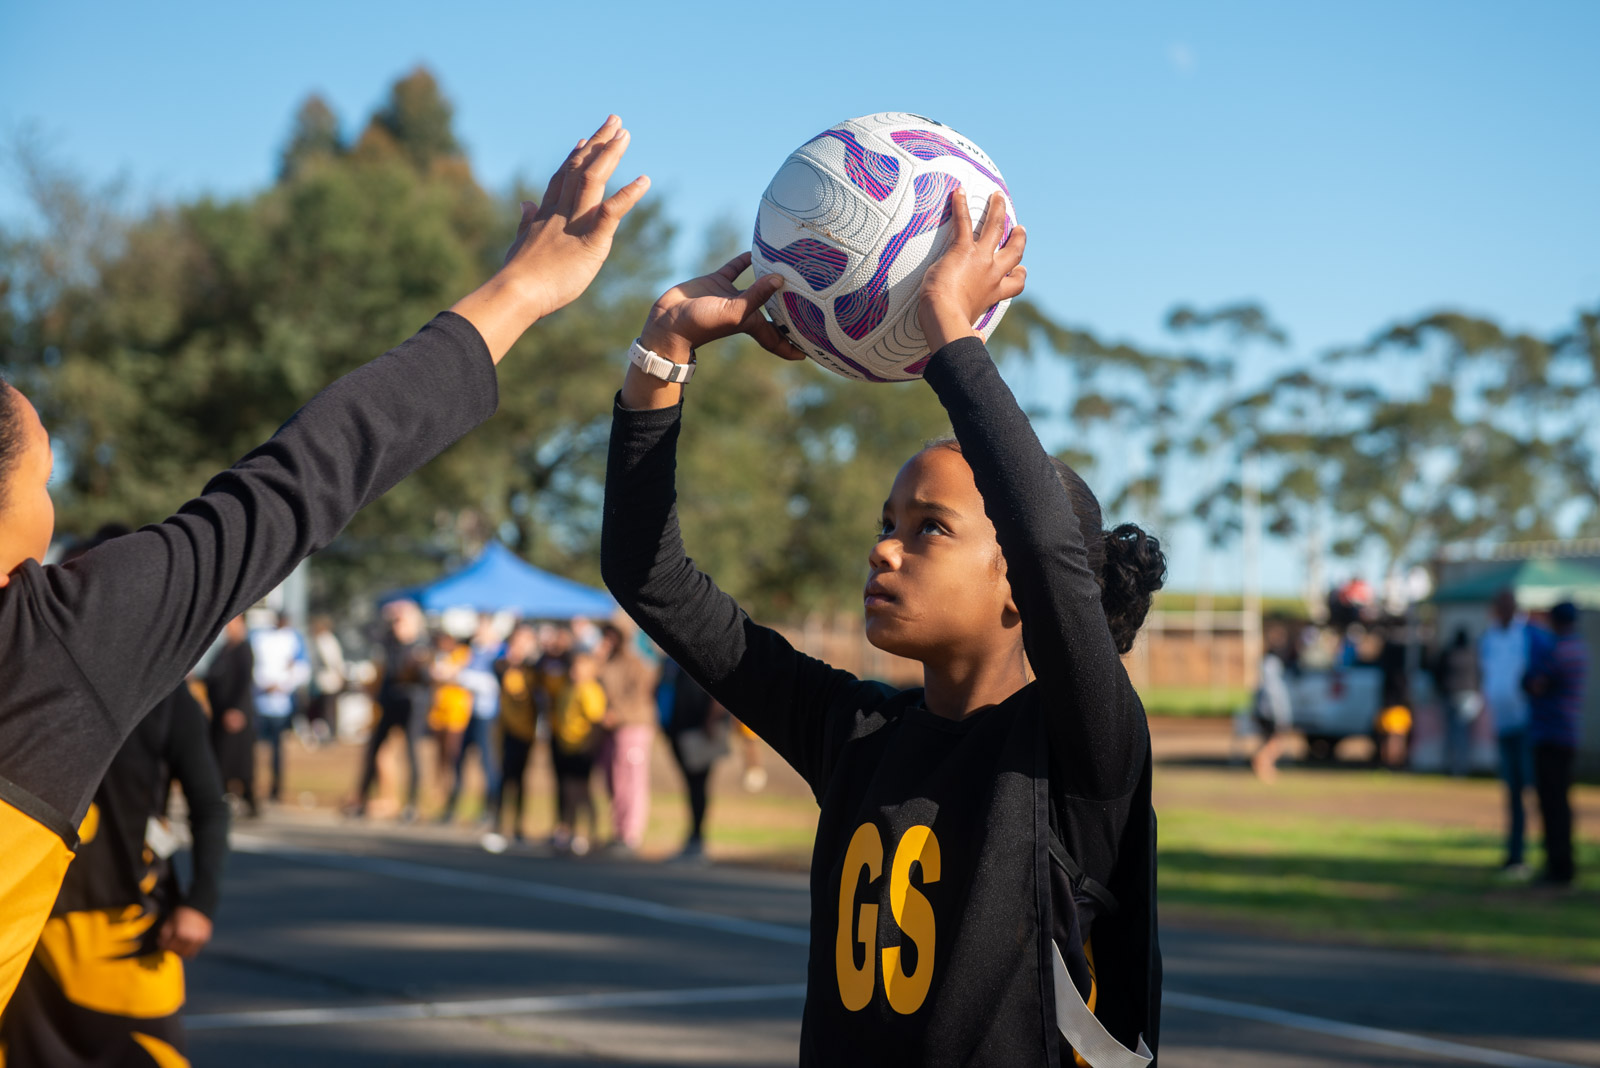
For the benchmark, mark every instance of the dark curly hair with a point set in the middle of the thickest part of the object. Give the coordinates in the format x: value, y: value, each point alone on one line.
x: 12, y: 437
x: 1127, y: 562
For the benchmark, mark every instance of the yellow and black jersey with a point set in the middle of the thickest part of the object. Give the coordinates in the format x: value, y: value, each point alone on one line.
x: 943, y: 926
x: 89, y: 646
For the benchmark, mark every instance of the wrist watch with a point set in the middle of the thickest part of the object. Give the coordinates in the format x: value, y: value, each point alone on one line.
x: 657, y: 366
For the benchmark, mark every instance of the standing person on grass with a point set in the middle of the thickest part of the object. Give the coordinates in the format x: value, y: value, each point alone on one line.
x: 91, y: 646
x: 983, y: 878
x: 576, y: 713
x: 519, y: 725
x: 282, y: 668
x: 1557, y: 676
x: 1503, y: 650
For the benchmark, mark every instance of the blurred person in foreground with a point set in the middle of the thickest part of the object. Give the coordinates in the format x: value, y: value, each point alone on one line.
x: 230, y: 691
x: 478, y: 678
x: 1503, y: 651
x: 106, y: 981
x: 1272, y: 709
x: 93, y: 645
x: 629, y: 681
x: 1557, y: 675
x: 403, y: 697
x: 519, y: 724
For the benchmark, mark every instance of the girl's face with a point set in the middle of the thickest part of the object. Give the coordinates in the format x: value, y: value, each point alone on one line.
x: 937, y: 588
x: 29, y: 520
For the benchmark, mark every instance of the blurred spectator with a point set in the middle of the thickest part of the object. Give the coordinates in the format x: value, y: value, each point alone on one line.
x: 697, y: 727
x: 451, y: 711
x: 1392, y: 731
x: 1502, y: 662
x: 478, y: 677
x: 329, y: 678
x: 281, y: 668
x: 1273, y: 712
x: 1455, y: 676
x: 403, y: 697
x: 579, y: 708
x: 518, y: 726
x: 754, y: 778
x: 230, y: 691
x: 629, y: 682
x: 1557, y: 673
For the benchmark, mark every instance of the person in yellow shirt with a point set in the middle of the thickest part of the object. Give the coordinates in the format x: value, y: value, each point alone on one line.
x: 452, y: 707
x: 576, y: 714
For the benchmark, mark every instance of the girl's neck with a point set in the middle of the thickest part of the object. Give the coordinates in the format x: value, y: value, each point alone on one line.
x: 957, y: 688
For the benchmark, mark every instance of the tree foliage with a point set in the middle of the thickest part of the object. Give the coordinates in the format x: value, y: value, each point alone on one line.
x: 164, y: 343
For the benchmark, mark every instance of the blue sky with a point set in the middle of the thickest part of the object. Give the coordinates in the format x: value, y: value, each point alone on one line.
x: 1345, y: 164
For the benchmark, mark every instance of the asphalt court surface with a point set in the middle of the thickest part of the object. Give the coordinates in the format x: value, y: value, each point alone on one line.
x: 340, y: 945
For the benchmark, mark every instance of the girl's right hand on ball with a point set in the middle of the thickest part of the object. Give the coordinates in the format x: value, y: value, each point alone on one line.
x: 710, y: 307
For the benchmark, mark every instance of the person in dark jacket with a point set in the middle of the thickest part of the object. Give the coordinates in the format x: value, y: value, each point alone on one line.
x: 230, y: 691
x: 983, y: 875
x: 93, y: 645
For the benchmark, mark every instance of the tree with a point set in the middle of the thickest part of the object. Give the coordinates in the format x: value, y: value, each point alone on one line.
x: 315, y: 136
x: 416, y: 120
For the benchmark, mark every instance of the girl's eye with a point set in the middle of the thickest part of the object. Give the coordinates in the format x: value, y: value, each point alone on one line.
x: 884, y: 528
x: 930, y: 527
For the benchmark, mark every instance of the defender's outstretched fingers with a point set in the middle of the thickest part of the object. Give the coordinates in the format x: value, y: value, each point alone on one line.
x: 597, y: 172
x: 768, y: 337
x: 614, y: 207
x: 579, y: 161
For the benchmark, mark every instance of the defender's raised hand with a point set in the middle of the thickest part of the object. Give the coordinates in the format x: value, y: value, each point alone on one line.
x: 560, y: 244
x: 973, y: 273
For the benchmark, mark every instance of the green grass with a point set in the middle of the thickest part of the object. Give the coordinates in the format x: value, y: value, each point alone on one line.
x: 1387, y: 882
x: 1193, y: 700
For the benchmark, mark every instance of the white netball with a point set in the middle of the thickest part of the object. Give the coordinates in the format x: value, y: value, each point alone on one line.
x: 852, y: 220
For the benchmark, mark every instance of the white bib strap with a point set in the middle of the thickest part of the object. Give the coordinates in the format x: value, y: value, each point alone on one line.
x: 1088, y: 1036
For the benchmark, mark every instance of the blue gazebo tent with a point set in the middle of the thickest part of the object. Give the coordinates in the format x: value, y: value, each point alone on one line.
x: 500, y: 581
x: 1538, y: 583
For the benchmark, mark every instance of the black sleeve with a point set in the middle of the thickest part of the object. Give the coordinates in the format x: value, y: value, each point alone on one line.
x: 193, y: 766
x: 1098, y: 735
x: 109, y: 634
x: 799, y: 705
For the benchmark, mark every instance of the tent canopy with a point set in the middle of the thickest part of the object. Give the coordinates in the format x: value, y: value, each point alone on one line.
x: 1539, y: 583
x: 500, y: 581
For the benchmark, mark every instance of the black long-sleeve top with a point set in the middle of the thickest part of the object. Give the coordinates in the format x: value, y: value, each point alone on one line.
x: 1067, y: 756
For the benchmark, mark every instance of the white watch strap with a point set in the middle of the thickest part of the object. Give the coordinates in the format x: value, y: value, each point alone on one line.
x: 657, y: 366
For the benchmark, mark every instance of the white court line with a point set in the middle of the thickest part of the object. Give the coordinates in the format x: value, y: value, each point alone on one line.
x: 1376, y: 1036
x: 451, y: 1010
x: 773, y: 932
x: 497, y: 884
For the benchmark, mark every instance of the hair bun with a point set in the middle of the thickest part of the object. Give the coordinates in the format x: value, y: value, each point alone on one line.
x: 1135, y: 569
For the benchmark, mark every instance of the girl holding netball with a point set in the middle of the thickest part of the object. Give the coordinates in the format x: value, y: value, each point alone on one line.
x: 984, y: 869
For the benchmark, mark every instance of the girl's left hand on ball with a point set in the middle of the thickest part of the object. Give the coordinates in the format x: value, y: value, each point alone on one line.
x: 710, y: 307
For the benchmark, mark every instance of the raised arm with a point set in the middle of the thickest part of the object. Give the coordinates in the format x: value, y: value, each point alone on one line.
x: 91, y: 646
x: 1098, y: 734
x: 783, y: 695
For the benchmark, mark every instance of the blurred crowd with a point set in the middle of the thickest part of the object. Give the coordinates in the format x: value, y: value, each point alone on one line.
x: 593, y: 694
